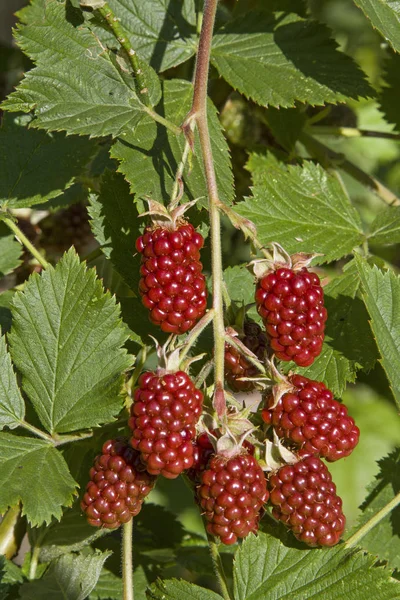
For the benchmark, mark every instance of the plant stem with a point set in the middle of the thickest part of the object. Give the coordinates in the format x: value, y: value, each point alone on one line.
x: 366, y: 528
x: 196, y: 331
x: 127, y: 560
x: 352, y: 132
x: 218, y: 567
x: 21, y: 237
x: 198, y: 112
x: 35, y: 555
x: 12, y: 530
x: 167, y: 124
x: 36, y: 431
x: 123, y: 39
x: 333, y: 159
x: 175, y: 195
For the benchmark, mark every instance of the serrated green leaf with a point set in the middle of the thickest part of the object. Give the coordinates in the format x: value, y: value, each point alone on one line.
x: 276, y: 60
x: 390, y: 93
x: 265, y: 568
x: 381, y: 294
x: 304, y: 208
x: 347, y: 327
x: 10, y: 254
x: 27, y: 181
x: 286, y: 124
x: 384, y: 539
x: 385, y: 229
x: 174, y: 589
x: 240, y: 284
x: 76, y: 86
x: 385, y: 17
x: 116, y: 226
x: 71, y: 577
x: 109, y: 586
x: 66, y: 340
x: 12, y: 407
x: 35, y: 473
x: 162, y: 32
x: 330, y: 366
x: 149, y: 157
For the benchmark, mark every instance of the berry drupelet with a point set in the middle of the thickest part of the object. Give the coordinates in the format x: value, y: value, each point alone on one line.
x: 117, y: 487
x: 309, y: 416
x: 304, y: 498
x: 291, y: 304
x: 163, y: 421
x: 172, y: 284
x: 232, y: 493
x: 237, y: 366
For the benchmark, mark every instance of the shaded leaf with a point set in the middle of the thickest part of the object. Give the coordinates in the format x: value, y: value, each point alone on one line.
x: 390, y: 93
x: 35, y: 473
x: 10, y: 254
x: 304, y: 208
x: 5, y: 310
x: 240, y: 284
x: 385, y: 229
x: 71, y: 577
x: 12, y: 407
x: 66, y: 340
x: 381, y: 294
x: 40, y: 165
x: 264, y: 567
x: 276, y: 60
x: 149, y: 156
x: 174, y: 589
x: 109, y: 586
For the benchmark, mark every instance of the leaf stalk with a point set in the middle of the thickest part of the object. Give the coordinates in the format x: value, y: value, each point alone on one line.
x: 373, y: 521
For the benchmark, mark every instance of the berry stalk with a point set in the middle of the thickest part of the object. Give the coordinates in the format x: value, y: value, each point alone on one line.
x: 127, y: 558
x: 198, y: 112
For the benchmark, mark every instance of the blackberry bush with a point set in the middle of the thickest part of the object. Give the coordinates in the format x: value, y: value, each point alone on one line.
x: 192, y: 271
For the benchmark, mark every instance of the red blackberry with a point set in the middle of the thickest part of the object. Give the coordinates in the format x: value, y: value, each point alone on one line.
x: 163, y: 420
x: 118, y: 484
x: 304, y: 498
x: 237, y: 366
x: 291, y: 304
x: 232, y: 494
x: 172, y: 285
x: 310, y: 417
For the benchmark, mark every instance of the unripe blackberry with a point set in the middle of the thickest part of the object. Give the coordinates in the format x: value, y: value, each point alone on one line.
x: 310, y: 417
x: 172, y: 284
x: 163, y: 421
x: 118, y: 484
x: 232, y: 493
x: 291, y: 304
x: 304, y: 498
x: 237, y: 366
x: 67, y: 227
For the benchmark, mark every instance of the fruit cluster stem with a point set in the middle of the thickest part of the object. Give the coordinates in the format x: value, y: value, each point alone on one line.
x: 127, y: 560
x: 24, y: 241
x: 123, y: 39
x: 198, y: 113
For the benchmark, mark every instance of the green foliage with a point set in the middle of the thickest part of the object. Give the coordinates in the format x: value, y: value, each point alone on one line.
x: 149, y: 156
x: 10, y: 254
x: 385, y: 17
x: 267, y: 58
x: 385, y: 229
x: 36, y: 474
x: 303, y: 208
x: 264, y: 566
x: 12, y: 407
x: 381, y: 294
x: 26, y: 182
x: 179, y: 590
x: 71, y: 577
x: 390, y: 92
x: 66, y: 341
x: 384, y: 539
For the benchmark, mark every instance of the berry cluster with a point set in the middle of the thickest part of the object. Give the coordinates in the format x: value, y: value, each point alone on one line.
x: 311, y: 418
x: 291, y: 305
x: 117, y: 487
x: 163, y: 421
x: 237, y: 366
x: 172, y: 285
x: 304, y: 497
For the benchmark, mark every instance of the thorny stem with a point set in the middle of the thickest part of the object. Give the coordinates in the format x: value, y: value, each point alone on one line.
x: 352, y: 132
x: 198, y: 113
x: 123, y: 39
x: 127, y: 560
x: 335, y: 160
x: 366, y: 528
x: 218, y: 567
x: 196, y: 331
x: 21, y: 237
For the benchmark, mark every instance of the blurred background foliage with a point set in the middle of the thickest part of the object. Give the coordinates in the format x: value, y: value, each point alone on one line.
x: 247, y: 128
